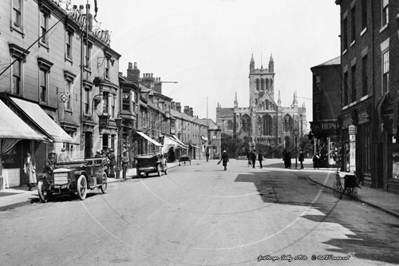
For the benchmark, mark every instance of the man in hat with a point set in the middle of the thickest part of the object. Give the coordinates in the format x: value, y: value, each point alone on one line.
x: 125, y: 162
x: 112, y: 162
x: 49, y: 163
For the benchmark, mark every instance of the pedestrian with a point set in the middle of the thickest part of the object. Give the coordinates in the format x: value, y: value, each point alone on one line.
x: 125, y: 162
x: 112, y: 163
x: 288, y: 160
x: 249, y: 158
x: 98, y: 154
x: 285, y: 158
x: 260, y: 158
x: 225, y: 159
x: 253, y: 158
x: 301, y: 158
x: 30, y: 170
x: 207, y: 155
x: 316, y: 158
x: 63, y: 156
x: 49, y: 163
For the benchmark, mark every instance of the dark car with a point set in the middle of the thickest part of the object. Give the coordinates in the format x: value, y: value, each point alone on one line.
x: 71, y: 177
x: 150, y: 163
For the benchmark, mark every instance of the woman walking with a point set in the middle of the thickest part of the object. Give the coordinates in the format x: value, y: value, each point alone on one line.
x: 30, y: 170
x: 225, y: 159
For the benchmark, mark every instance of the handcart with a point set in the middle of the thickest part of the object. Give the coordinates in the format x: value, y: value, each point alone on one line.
x: 345, y: 183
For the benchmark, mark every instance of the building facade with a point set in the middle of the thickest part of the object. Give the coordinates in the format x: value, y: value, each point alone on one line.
x: 265, y: 121
x: 326, y: 110
x: 61, y: 78
x: 369, y: 116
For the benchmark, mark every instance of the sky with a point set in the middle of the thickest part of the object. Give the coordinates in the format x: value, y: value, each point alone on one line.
x: 206, y: 45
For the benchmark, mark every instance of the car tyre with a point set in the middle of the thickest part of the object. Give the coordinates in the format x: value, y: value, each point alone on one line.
x: 42, y: 191
x: 104, y: 186
x: 82, y: 187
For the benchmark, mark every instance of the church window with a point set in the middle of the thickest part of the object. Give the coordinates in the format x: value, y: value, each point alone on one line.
x: 267, y: 84
x: 267, y: 125
x: 262, y: 84
x: 267, y: 104
x: 287, y: 123
x: 246, y: 123
x: 229, y: 125
x: 257, y: 84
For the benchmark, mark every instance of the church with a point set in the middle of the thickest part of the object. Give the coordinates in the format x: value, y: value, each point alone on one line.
x: 264, y: 121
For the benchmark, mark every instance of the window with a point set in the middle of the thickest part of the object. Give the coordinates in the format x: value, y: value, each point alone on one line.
x: 16, y: 76
x: 364, y: 14
x: 262, y: 84
x: 106, y: 102
x: 353, y: 24
x: 364, y: 75
x: 68, y: 90
x: 16, y: 13
x: 353, y: 80
x: 87, y: 100
x: 257, y: 84
x: 43, y: 85
x: 267, y: 125
x: 88, y: 56
x: 107, y: 65
x: 385, y: 73
x: 318, y: 82
x: 126, y: 101
x: 105, y: 142
x: 345, y: 34
x: 112, y: 105
x: 345, y: 87
x: 385, y: 12
x: 43, y: 27
x: 68, y: 47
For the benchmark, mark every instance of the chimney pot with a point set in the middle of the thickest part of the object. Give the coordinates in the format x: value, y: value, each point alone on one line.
x: 130, y: 65
x: 135, y: 64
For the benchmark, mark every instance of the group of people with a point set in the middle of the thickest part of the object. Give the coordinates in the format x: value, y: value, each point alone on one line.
x: 110, y: 163
x: 287, y: 158
x: 252, y: 156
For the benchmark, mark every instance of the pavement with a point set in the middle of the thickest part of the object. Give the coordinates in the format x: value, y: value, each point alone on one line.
x: 388, y: 202
x: 18, y: 196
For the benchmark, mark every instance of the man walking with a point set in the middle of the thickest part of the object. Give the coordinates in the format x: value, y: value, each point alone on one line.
x: 260, y: 158
x: 301, y: 158
x: 225, y: 159
x: 125, y: 162
x: 253, y: 158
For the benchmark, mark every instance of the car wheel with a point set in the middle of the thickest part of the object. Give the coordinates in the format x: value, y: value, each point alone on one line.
x: 42, y: 191
x: 159, y: 170
x: 82, y: 187
x: 146, y: 174
x: 104, y: 186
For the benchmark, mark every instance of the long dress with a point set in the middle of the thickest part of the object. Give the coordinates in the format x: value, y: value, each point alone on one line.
x: 30, y: 169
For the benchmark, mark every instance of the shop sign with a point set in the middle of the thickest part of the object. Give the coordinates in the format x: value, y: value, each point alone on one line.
x: 329, y: 125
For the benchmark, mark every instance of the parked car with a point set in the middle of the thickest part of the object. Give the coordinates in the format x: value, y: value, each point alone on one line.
x: 73, y: 177
x: 150, y: 163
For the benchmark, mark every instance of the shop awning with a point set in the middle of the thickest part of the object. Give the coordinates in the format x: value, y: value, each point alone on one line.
x: 12, y: 127
x: 42, y: 120
x: 184, y: 146
x: 156, y: 143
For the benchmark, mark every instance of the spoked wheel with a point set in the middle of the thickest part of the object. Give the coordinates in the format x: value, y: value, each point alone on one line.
x: 42, y: 191
x: 159, y: 170
x: 82, y: 187
x: 104, y: 186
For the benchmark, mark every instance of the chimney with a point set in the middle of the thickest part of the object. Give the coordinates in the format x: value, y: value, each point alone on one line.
x: 178, y: 107
x: 158, y: 85
x: 133, y: 74
x: 187, y: 110
x: 191, y: 112
x: 172, y: 105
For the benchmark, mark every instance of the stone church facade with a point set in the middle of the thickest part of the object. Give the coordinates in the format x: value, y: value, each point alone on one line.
x: 264, y: 121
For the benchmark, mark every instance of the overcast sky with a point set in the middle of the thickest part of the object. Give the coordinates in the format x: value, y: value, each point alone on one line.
x: 206, y: 45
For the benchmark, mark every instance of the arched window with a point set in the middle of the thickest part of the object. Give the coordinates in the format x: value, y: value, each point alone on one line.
x: 287, y: 123
x: 229, y: 125
x: 267, y: 84
x: 271, y: 86
x: 267, y: 123
x: 257, y: 84
x: 267, y: 104
x: 246, y: 123
x: 263, y: 106
x: 262, y: 84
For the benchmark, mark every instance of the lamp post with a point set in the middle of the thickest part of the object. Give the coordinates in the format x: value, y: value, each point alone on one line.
x: 118, y: 122
x: 296, y: 131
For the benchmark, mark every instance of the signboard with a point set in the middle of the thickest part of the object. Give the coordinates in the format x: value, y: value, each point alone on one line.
x: 352, y: 130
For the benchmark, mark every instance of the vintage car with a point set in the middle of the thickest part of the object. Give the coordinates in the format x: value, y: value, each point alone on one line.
x: 71, y: 177
x: 150, y: 163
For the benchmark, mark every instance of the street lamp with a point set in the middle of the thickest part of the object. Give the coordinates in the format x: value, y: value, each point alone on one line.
x: 118, y: 122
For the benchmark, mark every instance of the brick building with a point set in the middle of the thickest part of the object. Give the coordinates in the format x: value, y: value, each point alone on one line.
x: 326, y: 109
x: 369, y: 114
